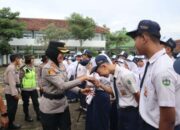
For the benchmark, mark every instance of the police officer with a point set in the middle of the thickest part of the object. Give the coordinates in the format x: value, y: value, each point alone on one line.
x: 53, y: 105
x: 157, y: 98
x: 11, y: 79
x: 29, y: 85
x: 169, y: 45
x: 125, y: 89
x: 44, y: 60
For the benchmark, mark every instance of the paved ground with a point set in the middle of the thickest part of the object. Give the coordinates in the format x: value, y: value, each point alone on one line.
x: 35, y: 125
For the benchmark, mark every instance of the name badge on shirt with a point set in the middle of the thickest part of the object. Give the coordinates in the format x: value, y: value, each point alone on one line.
x: 123, y: 92
x: 145, y: 91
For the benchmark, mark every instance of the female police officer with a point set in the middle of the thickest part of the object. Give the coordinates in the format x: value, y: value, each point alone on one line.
x: 53, y: 105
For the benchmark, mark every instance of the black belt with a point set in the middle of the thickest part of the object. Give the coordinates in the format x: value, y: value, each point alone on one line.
x: 53, y: 96
x: 129, y: 108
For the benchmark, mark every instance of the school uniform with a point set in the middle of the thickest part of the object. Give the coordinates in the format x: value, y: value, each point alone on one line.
x: 159, y: 90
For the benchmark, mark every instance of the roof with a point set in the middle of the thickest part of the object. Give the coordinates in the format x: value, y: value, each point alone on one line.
x: 178, y: 41
x: 36, y: 24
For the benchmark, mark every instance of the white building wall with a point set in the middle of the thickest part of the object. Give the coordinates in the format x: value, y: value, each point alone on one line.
x: 69, y: 43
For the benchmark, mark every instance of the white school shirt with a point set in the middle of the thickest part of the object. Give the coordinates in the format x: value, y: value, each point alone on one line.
x: 158, y: 89
x: 127, y: 87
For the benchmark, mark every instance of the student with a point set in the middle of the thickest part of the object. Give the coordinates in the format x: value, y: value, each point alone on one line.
x: 157, y: 99
x: 125, y: 90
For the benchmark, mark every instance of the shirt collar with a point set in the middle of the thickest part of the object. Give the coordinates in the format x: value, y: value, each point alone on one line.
x: 157, y: 55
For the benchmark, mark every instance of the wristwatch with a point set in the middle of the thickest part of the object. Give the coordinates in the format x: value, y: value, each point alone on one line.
x: 4, y: 114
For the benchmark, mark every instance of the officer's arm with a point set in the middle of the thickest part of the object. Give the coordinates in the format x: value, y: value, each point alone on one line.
x: 167, y: 118
x: 57, y: 81
x: 12, y: 82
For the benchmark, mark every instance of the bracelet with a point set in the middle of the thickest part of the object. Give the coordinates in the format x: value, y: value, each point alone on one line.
x: 4, y: 114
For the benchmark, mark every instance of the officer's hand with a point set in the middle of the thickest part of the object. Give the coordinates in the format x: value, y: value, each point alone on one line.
x: 83, y: 78
x: 91, y: 79
x: 16, y: 97
x: 86, y: 91
x: 4, y: 121
x: 95, y: 82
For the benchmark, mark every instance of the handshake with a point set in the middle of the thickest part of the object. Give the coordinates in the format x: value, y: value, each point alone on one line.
x: 93, y: 80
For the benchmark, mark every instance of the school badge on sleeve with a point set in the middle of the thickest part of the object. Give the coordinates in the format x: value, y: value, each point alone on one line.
x: 166, y: 82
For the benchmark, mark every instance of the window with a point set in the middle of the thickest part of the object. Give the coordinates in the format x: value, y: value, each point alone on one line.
x: 38, y: 34
x: 28, y: 34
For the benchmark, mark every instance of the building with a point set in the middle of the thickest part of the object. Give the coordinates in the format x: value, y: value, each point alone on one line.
x: 32, y: 34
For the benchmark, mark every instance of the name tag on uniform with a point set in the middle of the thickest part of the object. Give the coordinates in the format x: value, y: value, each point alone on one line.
x: 123, y: 92
x: 145, y: 91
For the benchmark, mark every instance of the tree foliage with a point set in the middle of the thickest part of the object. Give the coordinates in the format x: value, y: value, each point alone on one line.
x: 5, y: 48
x: 116, y: 39
x: 81, y: 28
x: 52, y: 32
x: 9, y: 28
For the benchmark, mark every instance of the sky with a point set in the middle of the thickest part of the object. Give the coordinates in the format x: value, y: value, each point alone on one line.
x: 115, y: 14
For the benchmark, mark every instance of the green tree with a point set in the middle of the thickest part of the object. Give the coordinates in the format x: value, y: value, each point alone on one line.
x: 52, y: 32
x: 116, y: 39
x: 5, y: 48
x: 9, y: 28
x: 81, y: 28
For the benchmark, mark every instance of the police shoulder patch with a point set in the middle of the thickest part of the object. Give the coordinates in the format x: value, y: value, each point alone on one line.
x: 51, y: 71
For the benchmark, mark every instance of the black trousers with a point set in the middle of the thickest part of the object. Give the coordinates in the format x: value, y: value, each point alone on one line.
x: 128, y: 118
x: 114, y: 116
x: 12, y: 104
x: 82, y: 97
x: 58, y: 121
x: 25, y: 97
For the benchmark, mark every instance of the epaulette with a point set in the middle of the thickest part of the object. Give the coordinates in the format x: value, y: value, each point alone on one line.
x: 51, y: 71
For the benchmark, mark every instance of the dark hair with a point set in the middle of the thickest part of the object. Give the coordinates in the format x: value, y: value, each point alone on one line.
x: 13, y: 57
x: 28, y: 59
x: 152, y: 37
x: 44, y: 58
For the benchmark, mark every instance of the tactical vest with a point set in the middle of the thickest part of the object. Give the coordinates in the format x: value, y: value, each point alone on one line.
x: 29, y: 79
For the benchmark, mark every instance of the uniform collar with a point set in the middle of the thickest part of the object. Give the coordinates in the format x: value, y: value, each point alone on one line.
x: 51, y: 64
x: 116, y: 71
x: 157, y: 55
